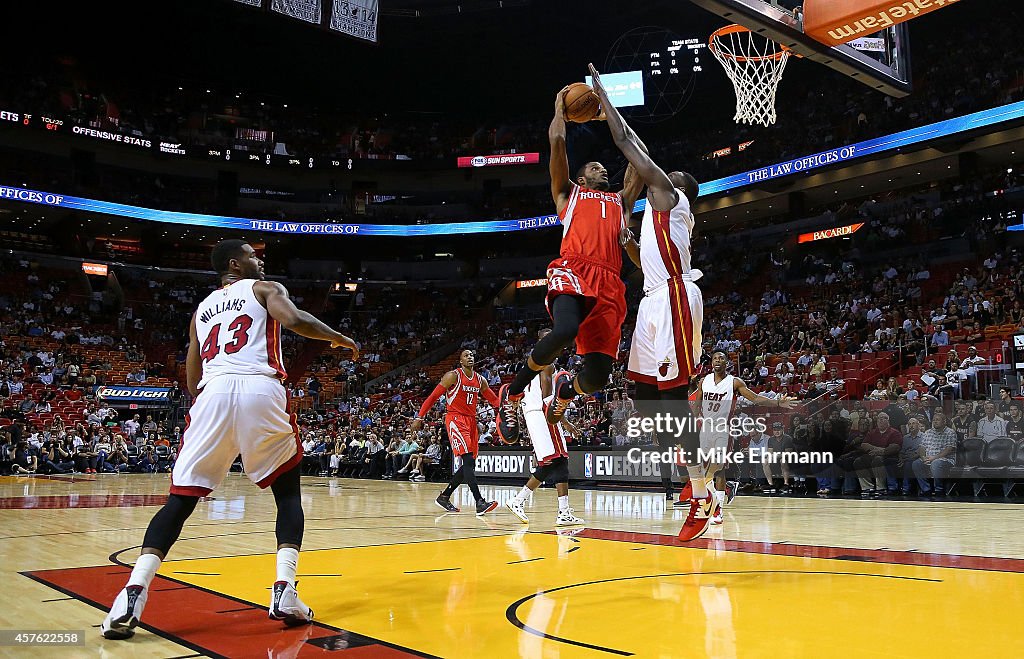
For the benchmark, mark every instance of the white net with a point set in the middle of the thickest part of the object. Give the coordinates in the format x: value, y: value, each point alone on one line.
x: 755, y: 65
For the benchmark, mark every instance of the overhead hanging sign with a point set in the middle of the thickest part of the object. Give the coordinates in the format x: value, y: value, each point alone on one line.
x: 356, y: 18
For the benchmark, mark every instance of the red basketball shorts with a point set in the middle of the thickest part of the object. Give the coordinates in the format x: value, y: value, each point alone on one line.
x: 463, y: 433
x: 605, y: 295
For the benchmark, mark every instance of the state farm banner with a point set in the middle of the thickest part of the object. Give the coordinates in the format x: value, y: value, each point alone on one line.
x: 835, y: 23
x: 500, y: 160
x: 824, y: 234
x: 128, y: 395
x: 356, y: 18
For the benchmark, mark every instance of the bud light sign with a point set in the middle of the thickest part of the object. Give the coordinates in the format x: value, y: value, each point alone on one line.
x: 125, y: 395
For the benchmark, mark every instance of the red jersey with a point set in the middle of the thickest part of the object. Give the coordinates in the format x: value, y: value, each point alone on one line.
x: 591, y: 222
x: 463, y: 397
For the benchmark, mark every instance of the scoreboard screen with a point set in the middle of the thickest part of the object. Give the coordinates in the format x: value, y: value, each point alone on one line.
x: 678, y: 57
x: 668, y: 65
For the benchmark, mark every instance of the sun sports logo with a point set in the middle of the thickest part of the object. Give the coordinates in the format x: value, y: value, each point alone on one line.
x: 498, y: 160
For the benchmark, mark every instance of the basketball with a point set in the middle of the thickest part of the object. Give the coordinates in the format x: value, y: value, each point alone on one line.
x: 581, y: 103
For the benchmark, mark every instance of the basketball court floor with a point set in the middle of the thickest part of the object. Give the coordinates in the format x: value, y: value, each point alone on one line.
x: 388, y: 575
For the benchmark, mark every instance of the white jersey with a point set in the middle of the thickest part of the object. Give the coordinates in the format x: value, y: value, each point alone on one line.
x: 718, y: 401
x: 665, y: 242
x: 237, y: 336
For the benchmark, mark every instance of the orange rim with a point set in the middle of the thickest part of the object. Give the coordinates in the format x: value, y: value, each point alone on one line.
x: 736, y: 29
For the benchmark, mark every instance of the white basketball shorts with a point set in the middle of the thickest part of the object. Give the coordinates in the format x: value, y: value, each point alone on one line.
x: 548, y: 441
x: 236, y: 414
x: 666, y: 348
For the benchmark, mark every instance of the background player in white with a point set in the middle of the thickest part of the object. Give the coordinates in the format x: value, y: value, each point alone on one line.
x: 666, y: 348
x: 716, y: 401
x: 235, y: 372
x: 548, y: 445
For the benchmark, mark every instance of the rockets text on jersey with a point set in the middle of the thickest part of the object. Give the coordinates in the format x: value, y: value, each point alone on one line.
x: 463, y: 397
x: 590, y: 226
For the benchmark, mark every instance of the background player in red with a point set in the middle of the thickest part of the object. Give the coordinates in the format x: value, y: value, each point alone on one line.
x: 243, y: 410
x: 462, y: 389
x: 586, y: 297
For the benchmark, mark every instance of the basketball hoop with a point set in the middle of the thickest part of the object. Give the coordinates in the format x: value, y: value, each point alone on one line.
x: 754, y: 64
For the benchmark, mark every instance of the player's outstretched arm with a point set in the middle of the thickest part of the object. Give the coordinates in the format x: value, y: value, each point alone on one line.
x: 660, y: 189
x: 193, y: 364
x: 274, y: 297
x: 784, y: 402
x: 558, y: 164
x: 448, y: 381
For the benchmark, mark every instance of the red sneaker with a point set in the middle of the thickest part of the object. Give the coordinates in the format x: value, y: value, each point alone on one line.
x: 697, y: 521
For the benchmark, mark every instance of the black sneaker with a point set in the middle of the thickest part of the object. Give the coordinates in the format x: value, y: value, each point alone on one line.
x: 446, y: 503
x: 508, y: 416
x: 668, y: 495
x: 484, y: 506
x: 731, y: 488
x: 555, y: 410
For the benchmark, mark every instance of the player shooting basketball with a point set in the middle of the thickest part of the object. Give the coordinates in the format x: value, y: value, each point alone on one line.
x: 666, y: 346
x: 586, y: 297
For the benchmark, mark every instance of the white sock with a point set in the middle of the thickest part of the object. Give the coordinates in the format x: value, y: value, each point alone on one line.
x: 144, y: 570
x: 563, y: 503
x: 711, y: 486
x: 522, y: 495
x: 287, y: 564
x: 697, y: 482
x: 720, y: 496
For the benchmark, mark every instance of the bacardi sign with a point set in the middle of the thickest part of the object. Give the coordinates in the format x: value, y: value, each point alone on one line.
x: 838, y: 232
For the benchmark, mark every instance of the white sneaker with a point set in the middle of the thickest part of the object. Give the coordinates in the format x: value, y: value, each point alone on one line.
x: 403, y: 470
x: 125, y: 613
x: 516, y: 509
x: 285, y: 605
x: 568, y: 517
x: 717, y: 518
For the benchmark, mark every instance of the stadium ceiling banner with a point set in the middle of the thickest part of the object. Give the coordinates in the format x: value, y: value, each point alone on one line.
x: 797, y: 166
x: 875, y: 146
x: 13, y: 193
x: 825, y: 234
x: 499, y: 160
x: 356, y: 18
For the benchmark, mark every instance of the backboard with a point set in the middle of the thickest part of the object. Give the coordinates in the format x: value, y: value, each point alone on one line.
x: 881, y: 62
